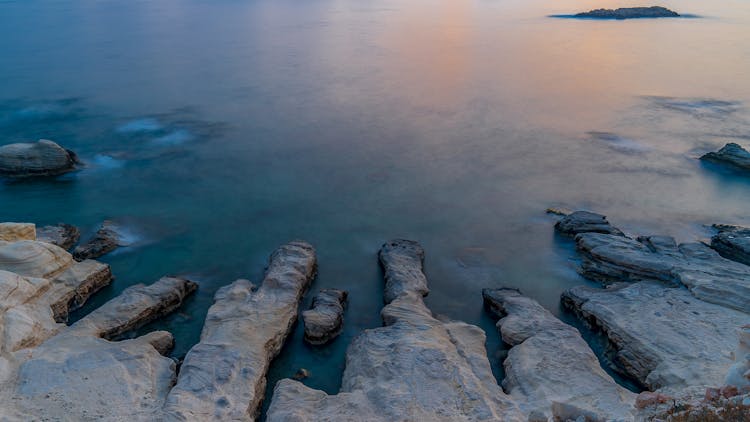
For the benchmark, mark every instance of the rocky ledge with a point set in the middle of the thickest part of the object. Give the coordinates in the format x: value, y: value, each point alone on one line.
x: 105, y: 240
x: 585, y: 222
x: 732, y: 242
x: 41, y: 158
x: 62, y: 235
x: 730, y: 154
x: 629, y: 13
x: 325, y: 319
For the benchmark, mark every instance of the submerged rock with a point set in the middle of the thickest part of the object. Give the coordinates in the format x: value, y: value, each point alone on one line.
x: 41, y: 158
x: 62, y: 235
x: 732, y: 242
x: 731, y: 154
x: 585, y: 222
x: 223, y: 377
x: 414, y: 368
x: 661, y: 336
x: 11, y: 232
x: 550, y: 369
x: 629, y: 13
x: 324, y: 321
x: 105, y: 240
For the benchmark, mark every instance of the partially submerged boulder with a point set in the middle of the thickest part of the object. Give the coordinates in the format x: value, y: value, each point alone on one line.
x: 550, y: 368
x: 585, y: 222
x: 11, y: 232
x: 415, y: 367
x: 325, y: 319
x: 732, y: 242
x: 731, y: 154
x: 629, y: 13
x: 104, y: 241
x: 62, y: 235
x: 41, y: 158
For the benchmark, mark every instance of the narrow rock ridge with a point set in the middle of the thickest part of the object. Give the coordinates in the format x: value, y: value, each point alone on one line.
x: 730, y: 154
x: 629, y: 13
x: 732, y: 242
x: 105, y: 240
x: 325, y: 319
x: 62, y: 235
x: 415, y: 368
x: 223, y: 377
x: 550, y: 369
x: 585, y: 222
x: 40, y: 158
x: 661, y: 336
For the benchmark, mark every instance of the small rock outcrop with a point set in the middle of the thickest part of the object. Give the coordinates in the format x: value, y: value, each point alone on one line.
x: 325, y: 319
x: 661, y: 336
x: 585, y: 222
x: 414, y: 368
x: 223, y: 377
x: 731, y: 154
x: 105, y: 240
x: 62, y: 235
x: 739, y: 374
x: 550, y: 369
x: 732, y: 242
x: 11, y: 232
x: 629, y: 13
x: 41, y: 158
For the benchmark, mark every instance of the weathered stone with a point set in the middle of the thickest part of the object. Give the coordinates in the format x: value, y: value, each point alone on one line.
x: 739, y: 374
x: 550, y: 368
x: 663, y: 337
x: 585, y: 222
x: 223, y: 377
x: 41, y: 158
x: 105, y: 240
x: 325, y: 319
x: 629, y: 13
x: 732, y: 242
x: 30, y: 258
x: 731, y: 154
x: 415, y: 368
x: 62, y: 235
x: 12, y: 232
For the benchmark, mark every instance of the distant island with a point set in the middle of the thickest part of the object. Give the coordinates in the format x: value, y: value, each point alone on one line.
x: 629, y: 13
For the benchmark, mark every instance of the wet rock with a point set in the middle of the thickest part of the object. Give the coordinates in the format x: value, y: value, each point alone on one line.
x: 414, y: 368
x: 550, y: 368
x: 62, y: 235
x: 662, y: 337
x: 730, y: 154
x: 708, y: 276
x: 629, y: 13
x: 324, y: 321
x: 223, y: 377
x: 558, y: 211
x: 41, y: 158
x: 732, y: 242
x: 11, y: 232
x: 301, y: 374
x: 585, y: 222
x: 105, y: 240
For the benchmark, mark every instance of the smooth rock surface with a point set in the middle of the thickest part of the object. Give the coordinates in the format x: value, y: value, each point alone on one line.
x: 62, y: 235
x: 415, y: 368
x: 661, y: 336
x: 11, y: 232
x: 325, y: 319
x: 732, y: 242
x: 585, y: 222
x: 104, y: 241
x: 41, y: 158
x: 629, y: 13
x: 731, y: 154
x: 34, y: 259
x: 223, y: 377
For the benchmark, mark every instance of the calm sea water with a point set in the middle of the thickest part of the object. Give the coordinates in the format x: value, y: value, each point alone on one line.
x: 216, y: 131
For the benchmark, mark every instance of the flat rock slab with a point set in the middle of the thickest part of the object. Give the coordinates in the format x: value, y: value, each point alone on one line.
x: 41, y: 158
x: 663, y: 337
x: 223, y: 377
x: 732, y: 242
x: 585, y: 222
x: 62, y: 235
x: 415, y: 368
x: 325, y: 319
x: 730, y: 154
x: 550, y: 369
x: 11, y: 232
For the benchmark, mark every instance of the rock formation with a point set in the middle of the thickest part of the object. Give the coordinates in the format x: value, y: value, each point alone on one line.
x: 41, y: 158
x: 585, y: 222
x: 105, y: 240
x: 11, y: 232
x: 415, y: 367
x: 324, y: 321
x: 739, y: 374
x: 62, y: 235
x: 223, y: 377
x: 732, y: 242
x: 731, y: 154
x: 550, y: 369
x: 629, y: 13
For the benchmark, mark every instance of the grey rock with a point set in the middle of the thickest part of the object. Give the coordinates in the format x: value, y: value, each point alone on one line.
x: 41, y: 158
x: 585, y: 222
x: 731, y: 154
x: 629, y: 13
x: 223, y: 377
x: 550, y: 369
x: 325, y: 319
x: 661, y: 336
x: 414, y: 368
x: 62, y: 235
x: 732, y: 242
x: 104, y: 241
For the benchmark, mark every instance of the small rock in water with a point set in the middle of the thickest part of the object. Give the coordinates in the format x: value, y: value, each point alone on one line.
x: 301, y: 374
x: 558, y: 211
x: 629, y: 13
x: 585, y: 222
x: 731, y: 154
x: 41, y: 158
x: 62, y: 235
x: 323, y: 322
x: 105, y: 240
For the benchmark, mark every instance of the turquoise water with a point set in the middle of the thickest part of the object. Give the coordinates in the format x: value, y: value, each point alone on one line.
x: 216, y: 131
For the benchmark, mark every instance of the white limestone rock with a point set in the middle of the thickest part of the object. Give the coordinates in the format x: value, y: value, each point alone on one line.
x: 12, y: 232
x: 40, y: 158
x: 33, y: 259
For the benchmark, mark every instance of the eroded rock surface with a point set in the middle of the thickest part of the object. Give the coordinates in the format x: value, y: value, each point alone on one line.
x: 11, y: 232
x: 661, y: 336
x: 414, y: 368
x: 732, y: 242
x: 731, y: 154
x: 34, y: 259
x: 224, y: 376
x: 324, y: 321
x: 41, y: 158
x: 550, y: 369
x: 62, y: 235
x: 629, y: 13
x: 585, y: 222
x: 104, y: 241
